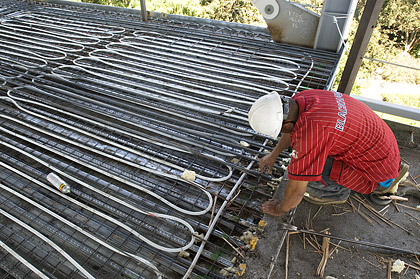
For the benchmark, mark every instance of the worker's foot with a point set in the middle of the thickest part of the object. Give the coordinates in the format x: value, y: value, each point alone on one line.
x: 381, y: 195
x: 320, y: 194
x: 393, y: 187
x: 271, y: 207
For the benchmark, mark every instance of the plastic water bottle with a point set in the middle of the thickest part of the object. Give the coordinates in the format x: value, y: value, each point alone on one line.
x: 58, y: 183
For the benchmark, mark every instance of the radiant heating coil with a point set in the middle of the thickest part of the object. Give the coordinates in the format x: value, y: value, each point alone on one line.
x: 10, y: 146
x: 72, y: 28
x: 95, y: 140
x: 112, y: 145
x: 33, y: 194
x: 227, y: 131
x: 75, y: 152
x: 66, y: 35
x: 26, y: 38
x: 10, y: 71
x: 54, y: 100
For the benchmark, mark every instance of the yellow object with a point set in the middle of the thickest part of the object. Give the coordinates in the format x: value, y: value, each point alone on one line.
x: 261, y: 225
x: 253, y: 242
x: 242, y: 268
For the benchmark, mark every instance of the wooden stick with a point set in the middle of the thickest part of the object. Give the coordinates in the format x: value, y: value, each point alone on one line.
x: 319, y: 209
x: 334, y: 249
x: 374, y: 211
x: 418, y: 261
x: 380, y: 211
x: 234, y: 248
x: 325, y: 256
x: 393, y: 197
x: 287, y: 255
x: 372, y: 264
x: 351, y: 205
x: 314, y: 239
x: 414, y: 179
x: 407, y: 206
x: 339, y: 214
x: 389, y: 270
x: 413, y: 266
x: 364, y: 216
x: 313, y: 245
x: 212, y: 210
x: 231, y: 201
x: 396, y: 205
x: 412, y: 216
x: 339, y: 246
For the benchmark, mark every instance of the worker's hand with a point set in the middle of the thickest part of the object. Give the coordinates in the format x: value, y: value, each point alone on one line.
x: 272, y: 207
x: 266, y: 163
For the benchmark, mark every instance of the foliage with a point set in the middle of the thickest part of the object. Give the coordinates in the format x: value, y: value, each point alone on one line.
x: 401, y: 74
x: 400, y: 21
x: 241, y: 11
x: 117, y: 3
x: 177, y: 7
x: 382, y: 48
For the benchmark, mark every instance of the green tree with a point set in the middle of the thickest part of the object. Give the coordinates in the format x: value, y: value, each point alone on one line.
x: 400, y: 21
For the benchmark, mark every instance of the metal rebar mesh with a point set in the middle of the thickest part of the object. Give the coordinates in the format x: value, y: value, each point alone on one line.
x: 120, y: 109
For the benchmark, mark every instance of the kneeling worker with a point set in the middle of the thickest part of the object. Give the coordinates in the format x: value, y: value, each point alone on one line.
x: 339, y: 144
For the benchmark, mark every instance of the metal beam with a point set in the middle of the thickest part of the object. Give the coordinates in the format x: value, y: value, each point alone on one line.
x: 361, y: 41
x: 143, y: 10
x: 390, y: 108
x: 334, y: 25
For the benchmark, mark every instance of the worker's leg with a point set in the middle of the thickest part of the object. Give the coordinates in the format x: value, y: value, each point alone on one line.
x: 345, y: 175
x: 326, y: 191
x: 336, y: 174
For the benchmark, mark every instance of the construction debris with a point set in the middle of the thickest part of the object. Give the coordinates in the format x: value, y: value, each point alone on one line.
x: 246, y: 237
x: 244, y: 143
x: 325, y: 249
x: 228, y: 271
x: 198, y: 237
x: 184, y: 254
x: 398, y: 266
x: 188, y: 175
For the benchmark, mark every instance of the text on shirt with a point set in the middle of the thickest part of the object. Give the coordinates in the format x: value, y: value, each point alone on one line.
x: 342, y: 111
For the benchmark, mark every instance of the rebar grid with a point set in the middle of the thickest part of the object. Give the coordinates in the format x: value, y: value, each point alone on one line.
x: 120, y: 109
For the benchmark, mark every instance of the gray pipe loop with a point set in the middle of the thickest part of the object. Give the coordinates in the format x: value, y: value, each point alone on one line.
x: 37, y: 38
x: 63, y: 36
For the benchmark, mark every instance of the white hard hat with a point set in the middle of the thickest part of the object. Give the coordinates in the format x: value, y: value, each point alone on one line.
x: 266, y: 115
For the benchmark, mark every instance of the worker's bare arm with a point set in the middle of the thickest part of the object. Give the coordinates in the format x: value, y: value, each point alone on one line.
x: 293, y: 195
x: 268, y: 160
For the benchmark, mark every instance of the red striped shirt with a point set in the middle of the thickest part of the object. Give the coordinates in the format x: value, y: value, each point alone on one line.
x: 362, y: 145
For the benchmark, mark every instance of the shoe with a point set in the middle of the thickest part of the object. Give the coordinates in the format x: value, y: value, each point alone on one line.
x: 379, y: 199
x: 325, y: 201
x: 392, y: 189
x: 320, y: 194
